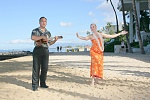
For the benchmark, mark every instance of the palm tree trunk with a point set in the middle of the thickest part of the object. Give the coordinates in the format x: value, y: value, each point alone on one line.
x: 115, y: 15
x: 125, y: 28
x: 138, y: 29
x: 117, y: 38
x: 149, y: 5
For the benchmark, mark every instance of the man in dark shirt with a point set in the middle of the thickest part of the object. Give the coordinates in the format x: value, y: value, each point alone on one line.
x: 42, y: 39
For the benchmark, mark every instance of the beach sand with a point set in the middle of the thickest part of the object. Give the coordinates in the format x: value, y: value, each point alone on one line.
x: 126, y: 77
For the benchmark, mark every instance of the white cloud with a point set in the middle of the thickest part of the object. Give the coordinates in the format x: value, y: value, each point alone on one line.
x: 83, y: 31
x: 107, y: 5
x: 65, y: 24
x: 95, y: 21
x: 104, y: 6
x: 107, y: 11
x: 20, y: 41
x: 109, y: 17
x: 91, y: 14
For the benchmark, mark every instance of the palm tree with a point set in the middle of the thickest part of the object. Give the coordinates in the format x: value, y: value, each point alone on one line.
x: 138, y: 28
x: 88, y: 33
x: 109, y: 28
x: 125, y: 28
x: 149, y: 4
x: 144, y: 20
x: 115, y: 14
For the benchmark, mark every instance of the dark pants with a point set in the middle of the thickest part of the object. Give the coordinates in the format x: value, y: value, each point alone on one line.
x: 40, y: 62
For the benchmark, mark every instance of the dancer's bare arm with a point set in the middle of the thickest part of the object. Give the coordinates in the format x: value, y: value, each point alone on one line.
x: 83, y: 38
x: 114, y: 35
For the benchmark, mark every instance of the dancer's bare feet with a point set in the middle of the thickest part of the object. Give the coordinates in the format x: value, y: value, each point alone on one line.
x: 92, y: 83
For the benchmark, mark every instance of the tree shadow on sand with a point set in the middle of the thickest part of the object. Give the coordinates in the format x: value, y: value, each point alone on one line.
x: 71, y: 78
x: 83, y: 96
x: 137, y: 56
x: 136, y: 73
x: 129, y: 72
x: 15, y: 67
x: 68, y: 77
x: 15, y: 80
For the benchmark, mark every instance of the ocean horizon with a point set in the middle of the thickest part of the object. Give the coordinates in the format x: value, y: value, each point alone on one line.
x: 31, y: 50
x: 52, y: 48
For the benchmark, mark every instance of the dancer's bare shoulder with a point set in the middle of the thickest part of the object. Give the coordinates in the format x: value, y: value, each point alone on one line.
x: 91, y: 36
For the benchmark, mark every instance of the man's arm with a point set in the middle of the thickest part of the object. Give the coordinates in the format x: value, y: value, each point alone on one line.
x: 52, y: 42
x: 36, y: 38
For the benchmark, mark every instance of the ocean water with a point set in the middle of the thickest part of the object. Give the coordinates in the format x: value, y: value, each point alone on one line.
x: 55, y: 50
x: 52, y: 48
x: 7, y: 50
x: 31, y: 50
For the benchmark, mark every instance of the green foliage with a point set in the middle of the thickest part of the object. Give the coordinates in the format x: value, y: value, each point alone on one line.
x: 144, y: 21
x: 88, y: 33
x: 99, y: 31
x: 110, y: 47
x: 145, y: 43
x: 107, y: 40
x: 134, y: 44
x: 109, y: 28
x: 122, y: 38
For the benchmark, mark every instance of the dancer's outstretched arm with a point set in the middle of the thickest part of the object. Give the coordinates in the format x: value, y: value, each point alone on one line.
x: 114, y: 35
x: 83, y: 38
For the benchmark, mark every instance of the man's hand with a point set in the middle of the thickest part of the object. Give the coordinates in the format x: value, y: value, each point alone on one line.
x: 56, y: 38
x: 44, y: 39
x: 38, y: 43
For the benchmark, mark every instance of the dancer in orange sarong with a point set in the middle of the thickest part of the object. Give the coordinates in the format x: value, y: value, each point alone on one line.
x: 96, y: 68
x: 96, y: 51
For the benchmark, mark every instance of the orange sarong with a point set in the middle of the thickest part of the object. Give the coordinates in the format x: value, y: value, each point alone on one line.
x: 96, y: 68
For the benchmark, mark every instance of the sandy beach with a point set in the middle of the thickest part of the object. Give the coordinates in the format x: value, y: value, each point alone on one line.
x: 126, y: 77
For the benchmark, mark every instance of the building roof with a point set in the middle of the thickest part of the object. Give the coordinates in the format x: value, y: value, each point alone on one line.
x: 128, y: 5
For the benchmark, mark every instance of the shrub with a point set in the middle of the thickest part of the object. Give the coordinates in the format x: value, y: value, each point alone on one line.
x: 110, y: 47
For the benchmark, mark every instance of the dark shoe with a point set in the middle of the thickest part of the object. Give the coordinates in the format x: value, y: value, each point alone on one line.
x: 34, y: 89
x: 44, y: 86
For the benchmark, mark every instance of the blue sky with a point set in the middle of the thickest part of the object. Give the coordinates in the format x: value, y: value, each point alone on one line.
x: 65, y: 17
